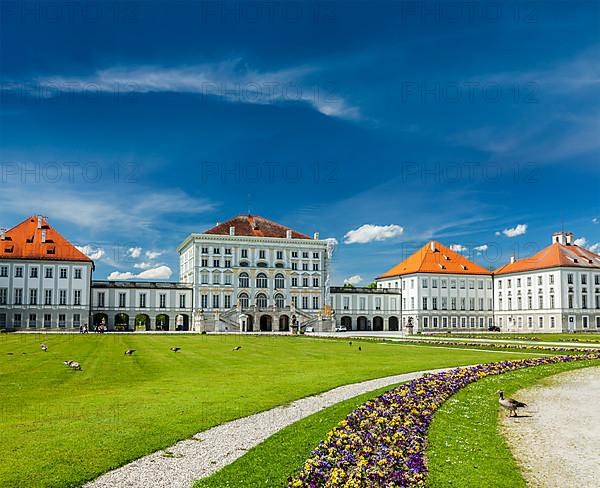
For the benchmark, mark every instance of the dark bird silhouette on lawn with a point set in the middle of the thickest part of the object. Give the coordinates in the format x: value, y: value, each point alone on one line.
x: 359, y: 348
x: 44, y: 347
x: 350, y: 343
x: 237, y: 348
x: 510, y: 404
x: 129, y: 352
x: 9, y: 353
x: 175, y: 349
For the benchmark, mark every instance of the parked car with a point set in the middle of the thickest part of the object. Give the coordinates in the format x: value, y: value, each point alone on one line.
x: 341, y: 329
x: 309, y: 329
x: 494, y: 328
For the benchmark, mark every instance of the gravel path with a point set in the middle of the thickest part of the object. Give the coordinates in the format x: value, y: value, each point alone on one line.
x: 180, y: 465
x: 557, y: 440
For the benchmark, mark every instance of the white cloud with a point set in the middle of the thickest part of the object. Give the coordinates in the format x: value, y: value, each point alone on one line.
x: 153, y: 254
x: 595, y: 220
x: 332, y: 240
x: 368, y: 233
x: 353, y: 280
x: 580, y: 241
x: 134, y: 252
x: 498, y: 233
x: 519, y: 230
x: 92, y: 252
x: 143, y: 265
x: 117, y: 275
x: 458, y: 247
x: 159, y: 273
x: 232, y: 80
x: 595, y: 248
x: 482, y: 248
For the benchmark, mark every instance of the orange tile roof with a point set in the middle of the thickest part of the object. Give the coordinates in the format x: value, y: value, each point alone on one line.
x: 254, y: 226
x: 442, y: 260
x: 554, y: 255
x: 24, y: 241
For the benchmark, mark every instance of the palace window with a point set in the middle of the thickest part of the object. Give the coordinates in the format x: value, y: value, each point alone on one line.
x: 261, y: 300
x: 244, y: 280
x: 279, y: 281
x: 244, y: 302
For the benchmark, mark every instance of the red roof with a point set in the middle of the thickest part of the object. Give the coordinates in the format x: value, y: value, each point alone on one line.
x: 254, y: 226
x: 434, y: 257
x: 26, y: 241
x: 554, y: 255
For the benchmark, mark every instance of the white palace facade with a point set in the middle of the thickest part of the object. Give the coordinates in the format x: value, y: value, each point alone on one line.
x: 250, y: 274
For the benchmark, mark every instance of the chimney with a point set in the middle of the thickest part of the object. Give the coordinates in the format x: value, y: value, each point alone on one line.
x: 288, y: 234
x: 432, y: 246
x: 43, y: 235
x: 2, y: 233
x: 40, y: 219
x: 564, y: 238
x: 512, y: 259
x: 232, y: 230
x: 316, y: 236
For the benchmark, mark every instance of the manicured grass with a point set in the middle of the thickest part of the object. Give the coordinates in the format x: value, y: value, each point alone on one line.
x: 465, y: 447
x: 273, y: 461
x: 61, y: 427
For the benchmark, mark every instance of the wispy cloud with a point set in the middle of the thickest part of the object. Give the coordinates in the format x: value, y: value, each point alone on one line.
x: 104, y: 211
x: 232, y: 81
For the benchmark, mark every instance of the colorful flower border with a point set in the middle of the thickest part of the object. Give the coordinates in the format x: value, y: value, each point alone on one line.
x: 382, y: 442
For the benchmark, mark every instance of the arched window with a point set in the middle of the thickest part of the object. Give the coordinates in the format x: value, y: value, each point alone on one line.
x: 279, y: 300
x: 244, y: 280
x: 261, y: 280
x: 261, y: 300
x: 243, y: 300
x: 279, y: 281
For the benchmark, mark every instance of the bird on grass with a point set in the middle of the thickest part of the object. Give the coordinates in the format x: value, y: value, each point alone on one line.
x: 359, y: 348
x: 73, y: 365
x: 175, y: 349
x: 9, y: 353
x: 129, y: 352
x: 510, y: 404
x: 237, y: 348
x: 350, y: 343
x: 44, y: 347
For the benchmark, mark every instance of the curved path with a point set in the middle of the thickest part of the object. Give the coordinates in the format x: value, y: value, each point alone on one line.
x: 209, y: 451
x: 557, y: 439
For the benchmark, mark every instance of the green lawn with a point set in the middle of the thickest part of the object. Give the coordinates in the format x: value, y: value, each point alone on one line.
x: 465, y: 448
x: 61, y: 427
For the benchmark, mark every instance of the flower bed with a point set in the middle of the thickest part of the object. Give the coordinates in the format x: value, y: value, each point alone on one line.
x: 382, y: 442
x: 501, y: 345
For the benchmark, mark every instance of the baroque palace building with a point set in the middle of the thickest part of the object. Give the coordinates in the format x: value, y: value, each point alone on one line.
x: 441, y: 290
x: 250, y: 274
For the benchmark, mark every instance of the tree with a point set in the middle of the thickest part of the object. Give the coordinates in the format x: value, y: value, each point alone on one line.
x: 348, y: 285
x: 371, y: 285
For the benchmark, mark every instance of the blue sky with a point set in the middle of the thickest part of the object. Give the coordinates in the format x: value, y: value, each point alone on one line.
x: 381, y: 125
